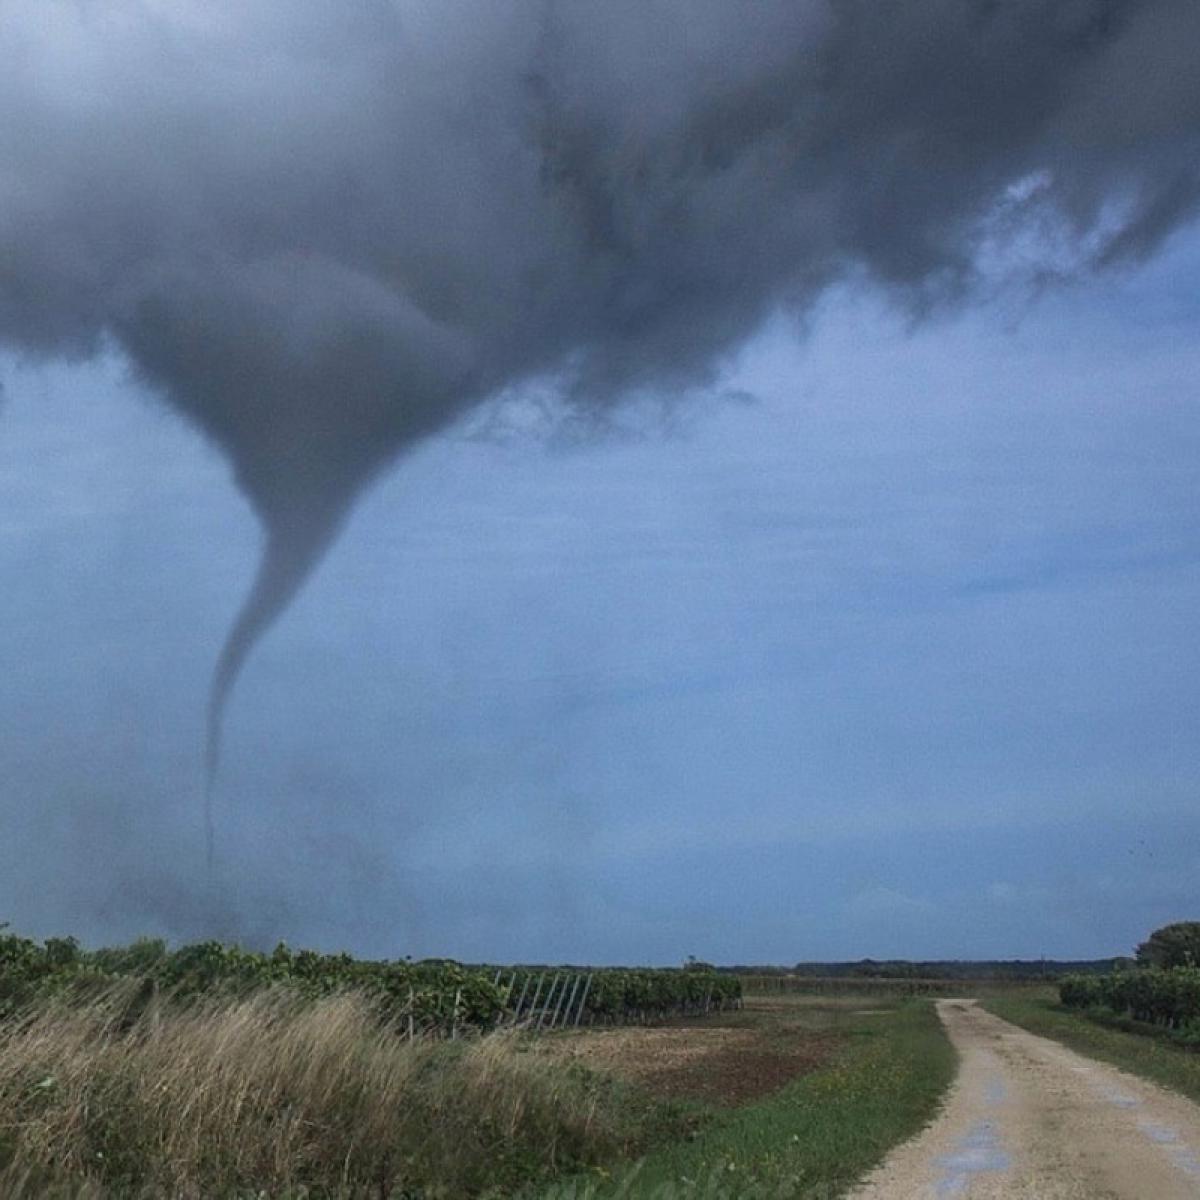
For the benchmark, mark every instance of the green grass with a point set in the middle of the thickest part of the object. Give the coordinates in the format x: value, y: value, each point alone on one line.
x: 813, y: 1138
x: 1144, y: 1054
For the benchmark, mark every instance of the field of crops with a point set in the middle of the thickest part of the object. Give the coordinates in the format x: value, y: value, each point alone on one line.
x: 871, y: 985
x: 1167, y: 997
x: 814, y: 985
x: 434, y: 996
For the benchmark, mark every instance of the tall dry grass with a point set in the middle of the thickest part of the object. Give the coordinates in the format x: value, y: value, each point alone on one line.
x: 274, y: 1096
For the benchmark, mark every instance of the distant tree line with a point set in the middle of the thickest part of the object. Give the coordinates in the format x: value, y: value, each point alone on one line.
x: 953, y: 968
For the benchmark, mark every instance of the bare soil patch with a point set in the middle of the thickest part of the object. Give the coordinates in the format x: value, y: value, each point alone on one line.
x: 725, y: 1064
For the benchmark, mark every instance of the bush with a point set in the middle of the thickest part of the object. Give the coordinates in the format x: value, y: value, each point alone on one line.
x: 1080, y: 991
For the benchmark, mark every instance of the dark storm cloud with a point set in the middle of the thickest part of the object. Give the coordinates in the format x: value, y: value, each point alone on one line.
x: 323, y: 230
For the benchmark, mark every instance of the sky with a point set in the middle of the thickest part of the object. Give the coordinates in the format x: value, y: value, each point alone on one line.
x: 886, y: 650
x: 551, y: 489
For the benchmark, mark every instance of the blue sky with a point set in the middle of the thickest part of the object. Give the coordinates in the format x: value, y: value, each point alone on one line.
x: 885, y: 648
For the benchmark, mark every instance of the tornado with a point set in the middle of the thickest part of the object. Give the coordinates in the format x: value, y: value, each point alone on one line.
x: 322, y: 233
x: 285, y: 563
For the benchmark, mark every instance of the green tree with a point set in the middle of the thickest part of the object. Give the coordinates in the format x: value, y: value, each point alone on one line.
x: 1175, y: 945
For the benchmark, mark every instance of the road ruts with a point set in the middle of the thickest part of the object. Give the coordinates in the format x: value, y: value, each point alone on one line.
x: 1029, y: 1118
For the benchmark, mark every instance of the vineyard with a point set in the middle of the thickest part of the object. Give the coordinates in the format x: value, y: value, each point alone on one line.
x: 432, y: 997
x: 844, y: 985
x: 547, y: 998
x: 1167, y: 997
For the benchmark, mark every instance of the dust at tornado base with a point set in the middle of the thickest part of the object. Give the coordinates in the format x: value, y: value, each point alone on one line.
x: 1028, y: 1118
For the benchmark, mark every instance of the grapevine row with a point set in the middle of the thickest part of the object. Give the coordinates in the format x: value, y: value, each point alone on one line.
x: 434, y: 996
x: 1168, y: 997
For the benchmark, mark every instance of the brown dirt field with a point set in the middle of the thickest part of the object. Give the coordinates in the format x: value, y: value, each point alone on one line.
x: 726, y: 1063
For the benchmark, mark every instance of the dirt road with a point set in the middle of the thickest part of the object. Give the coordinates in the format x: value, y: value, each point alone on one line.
x: 1029, y: 1118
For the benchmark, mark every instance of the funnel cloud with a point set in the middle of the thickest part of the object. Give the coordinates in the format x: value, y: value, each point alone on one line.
x: 323, y: 232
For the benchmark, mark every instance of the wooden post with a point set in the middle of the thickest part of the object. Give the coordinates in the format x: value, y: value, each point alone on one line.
x: 520, y: 999
x: 583, y: 1001
x: 537, y: 991
x: 571, y: 1001
x: 546, y: 1002
x: 561, y: 996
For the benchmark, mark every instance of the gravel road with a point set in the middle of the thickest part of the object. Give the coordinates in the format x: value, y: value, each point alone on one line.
x: 1029, y: 1118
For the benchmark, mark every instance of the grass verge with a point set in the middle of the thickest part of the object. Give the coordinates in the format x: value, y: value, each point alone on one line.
x: 1153, y: 1058
x: 814, y: 1137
